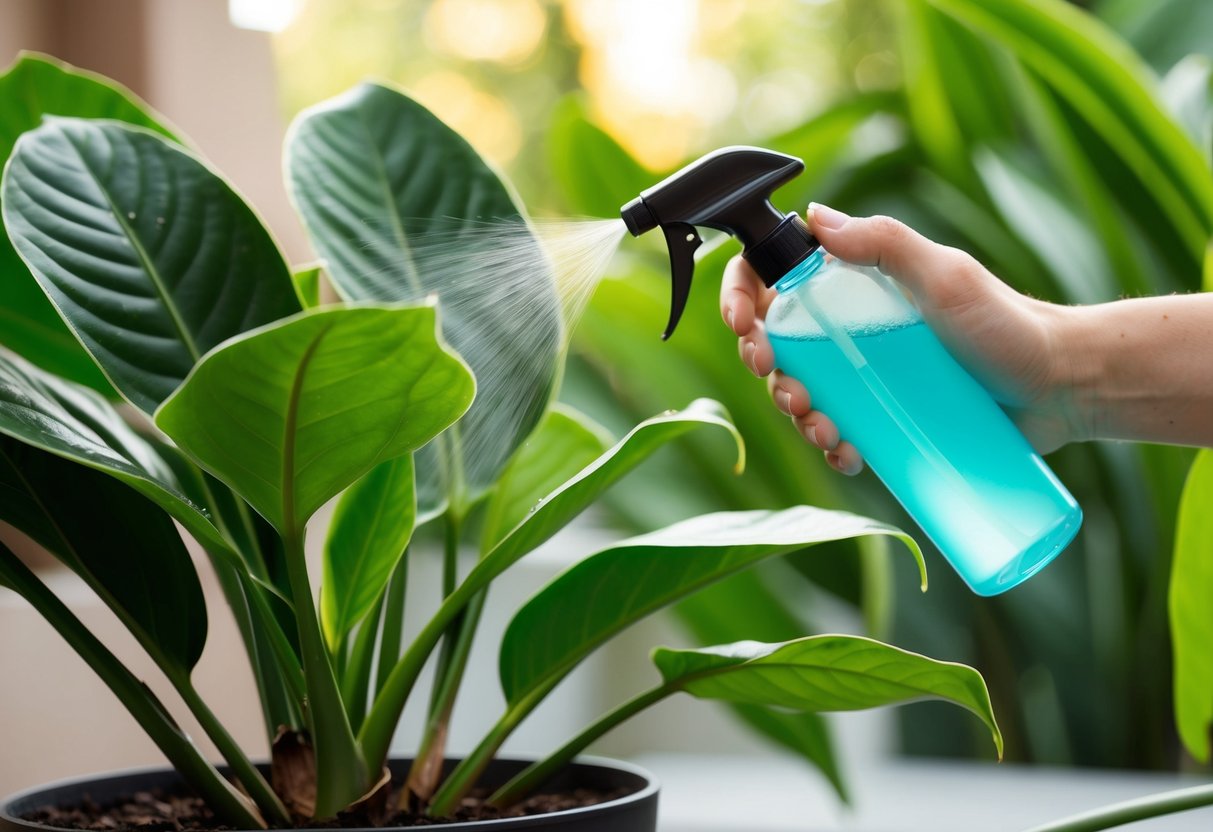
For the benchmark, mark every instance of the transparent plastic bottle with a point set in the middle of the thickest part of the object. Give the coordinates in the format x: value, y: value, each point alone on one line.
x: 932, y: 433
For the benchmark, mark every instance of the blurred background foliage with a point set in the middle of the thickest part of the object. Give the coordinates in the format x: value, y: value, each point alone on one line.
x: 1068, y: 146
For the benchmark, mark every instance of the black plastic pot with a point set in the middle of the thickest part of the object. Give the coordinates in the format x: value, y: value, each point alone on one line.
x: 637, y: 812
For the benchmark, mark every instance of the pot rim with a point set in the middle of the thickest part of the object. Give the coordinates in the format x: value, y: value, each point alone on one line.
x: 648, y: 791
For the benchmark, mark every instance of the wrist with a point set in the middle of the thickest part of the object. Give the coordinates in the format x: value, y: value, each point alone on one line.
x: 1079, y: 368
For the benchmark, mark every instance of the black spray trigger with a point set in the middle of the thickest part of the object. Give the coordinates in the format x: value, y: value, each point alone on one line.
x: 729, y: 190
x: 682, y: 240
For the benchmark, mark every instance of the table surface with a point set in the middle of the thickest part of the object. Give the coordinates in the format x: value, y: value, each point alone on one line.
x: 699, y: 794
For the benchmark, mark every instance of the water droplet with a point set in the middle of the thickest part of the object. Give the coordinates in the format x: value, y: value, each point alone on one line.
x: 159, y: 220
x: 130, y: 215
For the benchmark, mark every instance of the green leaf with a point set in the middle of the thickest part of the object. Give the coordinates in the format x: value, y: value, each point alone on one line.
x: 595, y: 174
x: 1108, y: 84
x: 221, y: 796
x: 555, y: 510
x: 1190, y: 612
x: 290, y: 414
x: 617, y: 587
x: 824, y: 673
x: 1048, y: 224
x: 744, y: 605
x: 376, y: 176
x: 1187, y: 91
x: 370, y: 529
x: 32, y: 87
x: 123, y: 546
x: 76, y: 423
x: 565, y: 442
x: 148, y: 254
x: 307, y: 285
x: 1206, y: 280
x: 549, y: 517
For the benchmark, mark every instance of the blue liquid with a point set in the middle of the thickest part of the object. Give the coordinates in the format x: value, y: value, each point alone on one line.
x: 942, y: 446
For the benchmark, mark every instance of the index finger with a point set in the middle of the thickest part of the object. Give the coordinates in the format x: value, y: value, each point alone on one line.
x: 742, y: 296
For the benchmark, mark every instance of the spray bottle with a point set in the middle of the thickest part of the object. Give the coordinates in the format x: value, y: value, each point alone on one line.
x: 931, y: 432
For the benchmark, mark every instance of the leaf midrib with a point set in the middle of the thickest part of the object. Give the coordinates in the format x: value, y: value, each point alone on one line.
x: 289, y: 433
x: 145, y: 259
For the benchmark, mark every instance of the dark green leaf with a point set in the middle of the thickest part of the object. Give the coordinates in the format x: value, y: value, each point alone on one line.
x: 1105, y: 81
x: 375, y: 176
x: 565, y: 442
x: 149, y: 255
x: 292, y: 413
x: 123, y: 546
x: 76, y: 423
x: 33, y: 87
x: 824, y: 673
x: 370, y: 529
x: 613, y: 589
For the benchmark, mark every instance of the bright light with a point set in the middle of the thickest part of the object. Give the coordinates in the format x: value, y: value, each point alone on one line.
x: 506, y: 31
x: 263, y: 15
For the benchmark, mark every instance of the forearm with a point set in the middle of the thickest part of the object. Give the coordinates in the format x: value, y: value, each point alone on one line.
x: 1142, y: 369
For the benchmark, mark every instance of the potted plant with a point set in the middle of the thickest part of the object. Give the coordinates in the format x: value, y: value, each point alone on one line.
x: 142, y: 276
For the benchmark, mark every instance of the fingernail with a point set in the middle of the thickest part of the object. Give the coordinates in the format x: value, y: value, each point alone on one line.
x: 783, y: 400
x: 826, y: 217
x: 750, y: 349
x: 833, y: 459
x: 810, y: 433
x: 728, y: 316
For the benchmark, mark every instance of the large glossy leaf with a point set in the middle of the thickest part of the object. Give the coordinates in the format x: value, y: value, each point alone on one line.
x: 375, y: 175
x: 613, y: 589
x: 149, y: 255
x: 1105, y: 81
x: 120, y: 543
x: 746, y: 602
x: 76, y: 423
x: 370, y: 529
x: 1191, y: 613
x: 555, y: 510
x: 290, y: 414
x: 824, y: 673
x: 565, y: 442
x: 32, y: 87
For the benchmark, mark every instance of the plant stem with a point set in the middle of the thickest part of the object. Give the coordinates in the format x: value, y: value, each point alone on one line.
x: 341, y: 774
x: 284, y: 653
x: 427, y: 767
x: 1142, y: 808
x: 376, y: 733
x: 252, y: 780
x: 465, y: 775
x: 356, y: 678
x: 393, y: 621
x: 450, y: 576
x: 537, y: 774
x: 227, y: 803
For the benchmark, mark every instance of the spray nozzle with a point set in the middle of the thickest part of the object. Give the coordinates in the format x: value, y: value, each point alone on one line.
x: 729, y: 190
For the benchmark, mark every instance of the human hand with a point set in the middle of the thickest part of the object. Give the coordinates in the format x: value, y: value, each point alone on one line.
x: 1008, y: 341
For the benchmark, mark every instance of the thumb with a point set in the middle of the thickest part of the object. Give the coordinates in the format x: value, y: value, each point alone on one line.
x: 896, y: 249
